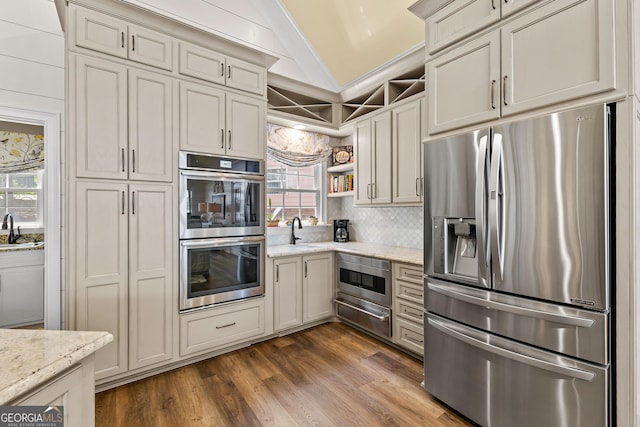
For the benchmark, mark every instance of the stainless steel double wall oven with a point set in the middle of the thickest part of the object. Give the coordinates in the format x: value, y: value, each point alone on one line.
x: 222, y: 243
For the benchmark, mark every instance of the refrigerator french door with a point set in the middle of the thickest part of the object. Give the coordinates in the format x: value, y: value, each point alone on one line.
x: 517, y: 274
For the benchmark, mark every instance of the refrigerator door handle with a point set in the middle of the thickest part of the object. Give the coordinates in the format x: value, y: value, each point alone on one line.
x: 524, y: 311
x: 481, y: 230
x: 521, y: 358
x: 495, y: 202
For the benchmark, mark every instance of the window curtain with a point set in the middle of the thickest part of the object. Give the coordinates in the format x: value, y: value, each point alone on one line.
x: 295, y: 147
x: 21, y: 152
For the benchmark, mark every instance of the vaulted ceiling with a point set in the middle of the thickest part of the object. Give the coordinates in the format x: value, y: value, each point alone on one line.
x: 331, y: 44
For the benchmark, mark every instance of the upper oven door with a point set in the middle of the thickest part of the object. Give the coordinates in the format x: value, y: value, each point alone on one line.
x: 214, y: 204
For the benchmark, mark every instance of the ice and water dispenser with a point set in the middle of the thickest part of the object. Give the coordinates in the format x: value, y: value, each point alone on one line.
x: 455, y: 247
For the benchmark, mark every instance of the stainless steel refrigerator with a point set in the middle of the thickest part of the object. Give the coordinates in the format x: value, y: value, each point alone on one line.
x: 518, y: 279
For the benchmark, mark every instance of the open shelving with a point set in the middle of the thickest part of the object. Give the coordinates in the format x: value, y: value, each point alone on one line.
x: 338, y: 171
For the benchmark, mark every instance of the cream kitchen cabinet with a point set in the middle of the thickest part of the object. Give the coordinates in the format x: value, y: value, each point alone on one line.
x: 106, y: 34
x: 408, y: 307
x: 524, y: 65
x: 303, y: 289
x: 372, y: 150
x: 123, y: 121
x: 461, y: 18
x: 123, y: 263
x: 21, y: 288
x: 406, y: 139
x: 206, y: 64
x: 217, y: 122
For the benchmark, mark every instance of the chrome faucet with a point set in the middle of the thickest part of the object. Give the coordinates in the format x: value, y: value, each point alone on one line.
x: 293, y: 239
x: 12, y: 236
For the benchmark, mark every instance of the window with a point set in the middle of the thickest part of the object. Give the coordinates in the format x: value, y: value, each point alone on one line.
x: 294, y: 191
x: 21, y: 195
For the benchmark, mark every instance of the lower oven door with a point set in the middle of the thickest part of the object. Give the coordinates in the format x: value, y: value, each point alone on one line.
x: 219, y: 270
x: 364, y: 314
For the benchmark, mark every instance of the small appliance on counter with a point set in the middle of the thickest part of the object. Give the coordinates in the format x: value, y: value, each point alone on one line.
x: 340, y: 230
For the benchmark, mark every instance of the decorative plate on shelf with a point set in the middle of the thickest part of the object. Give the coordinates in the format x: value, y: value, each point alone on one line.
x: 342, y: 155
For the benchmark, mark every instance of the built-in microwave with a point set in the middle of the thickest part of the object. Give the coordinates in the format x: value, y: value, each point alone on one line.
x: 220, y: 270
x: 220, y: 196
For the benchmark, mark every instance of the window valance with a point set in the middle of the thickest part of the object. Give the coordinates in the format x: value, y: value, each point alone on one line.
x: 295, y: 147
x: 21, y: 151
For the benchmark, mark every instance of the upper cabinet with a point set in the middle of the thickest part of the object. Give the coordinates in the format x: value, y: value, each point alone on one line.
x: 205, y: 64
x: 113, y: 36
x: 215, y: 122
x: 461, y: 18
x: 372, y: 140
x: 524, y: 65
x: 123, y: 121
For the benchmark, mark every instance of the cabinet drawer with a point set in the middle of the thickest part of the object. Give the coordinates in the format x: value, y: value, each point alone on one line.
x: 409, y: 336
x: 409, y: 292
x: 408, y: 311
x: 215, y: 327
x: 409, y: 273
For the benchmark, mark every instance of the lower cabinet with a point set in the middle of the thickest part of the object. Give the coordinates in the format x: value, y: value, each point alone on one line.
x: 21, y: 288
x: 208, y: 329
x: 303, y: 289
x: 123, y: 264
x: 408, y: 307
x: 73, y: 389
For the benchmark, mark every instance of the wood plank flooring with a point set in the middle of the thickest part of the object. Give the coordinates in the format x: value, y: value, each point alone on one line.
x: 329, y: 375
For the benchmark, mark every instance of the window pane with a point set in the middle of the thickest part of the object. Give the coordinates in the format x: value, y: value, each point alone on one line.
x: 24, y: 214
x: 23, y: 180
x: 285, y: 205
x: 19, y: 199
x: 3, y: 180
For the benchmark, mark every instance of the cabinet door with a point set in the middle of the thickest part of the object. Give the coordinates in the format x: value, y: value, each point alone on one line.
x: 287, y: 292
x: 100, y: 32
x: 459, y: 19
x: 560, y: 51
x: 363, y: 170
x: 150, y: 47
x: 245, y: 126
x: 406, y: 140
x: 510, y: 7
x: 205, y: 64
x: 101, y: 292
x: 101, y: 119
x: 381, y: 158
x: 151, y: 302
x: 202, y: 119
x: 463, y: 85
x: 317, y: 287
x: 150, y: 126
x: 21, y: 295
x: 245, y: 76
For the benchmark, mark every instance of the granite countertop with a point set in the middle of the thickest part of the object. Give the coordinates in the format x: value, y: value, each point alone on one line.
x: 391, y: 253
x: 31, y: 357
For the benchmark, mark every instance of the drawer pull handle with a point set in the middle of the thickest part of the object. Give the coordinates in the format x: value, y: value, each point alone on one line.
x: 408, y: 313
x: 493, y: 90
x: 226, y: 326
x: 414, y: 276
x: 413, y: 340
x: 353, y: 307
x: 410, y: 294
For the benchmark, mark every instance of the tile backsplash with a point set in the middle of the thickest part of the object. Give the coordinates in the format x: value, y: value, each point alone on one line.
x: 393, y: 226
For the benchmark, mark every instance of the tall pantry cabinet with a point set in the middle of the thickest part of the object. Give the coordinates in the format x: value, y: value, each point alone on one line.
x: 135, y: 85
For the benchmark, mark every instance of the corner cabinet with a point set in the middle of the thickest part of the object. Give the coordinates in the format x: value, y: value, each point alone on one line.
x: 124, y: 260
x: 524, y: 65
x: 303, y: 289
x: 217, y: 122
x: 372, y: 150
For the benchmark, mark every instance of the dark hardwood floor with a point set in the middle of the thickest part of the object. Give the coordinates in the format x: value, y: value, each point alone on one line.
x: 329, y: 375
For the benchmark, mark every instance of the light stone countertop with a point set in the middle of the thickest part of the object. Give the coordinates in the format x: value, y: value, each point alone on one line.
x: 31, y: 357
x: 391, y: 253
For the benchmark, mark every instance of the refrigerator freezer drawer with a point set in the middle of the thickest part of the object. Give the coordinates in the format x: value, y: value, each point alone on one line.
x: 575, y: 332
x: 499, y: 383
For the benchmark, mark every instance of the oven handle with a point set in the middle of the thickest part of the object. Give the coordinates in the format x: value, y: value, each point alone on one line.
x: 210, y: 243
x: 221, y: 176
x: 353, y: 307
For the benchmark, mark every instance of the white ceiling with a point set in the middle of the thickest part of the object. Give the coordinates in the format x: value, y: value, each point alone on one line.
x: 331, y: 44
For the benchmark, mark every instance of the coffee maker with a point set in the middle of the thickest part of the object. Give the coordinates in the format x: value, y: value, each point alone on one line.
x: 340, y: 230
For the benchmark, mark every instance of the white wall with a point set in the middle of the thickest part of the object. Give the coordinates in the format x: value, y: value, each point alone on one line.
x: 32, y: 76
